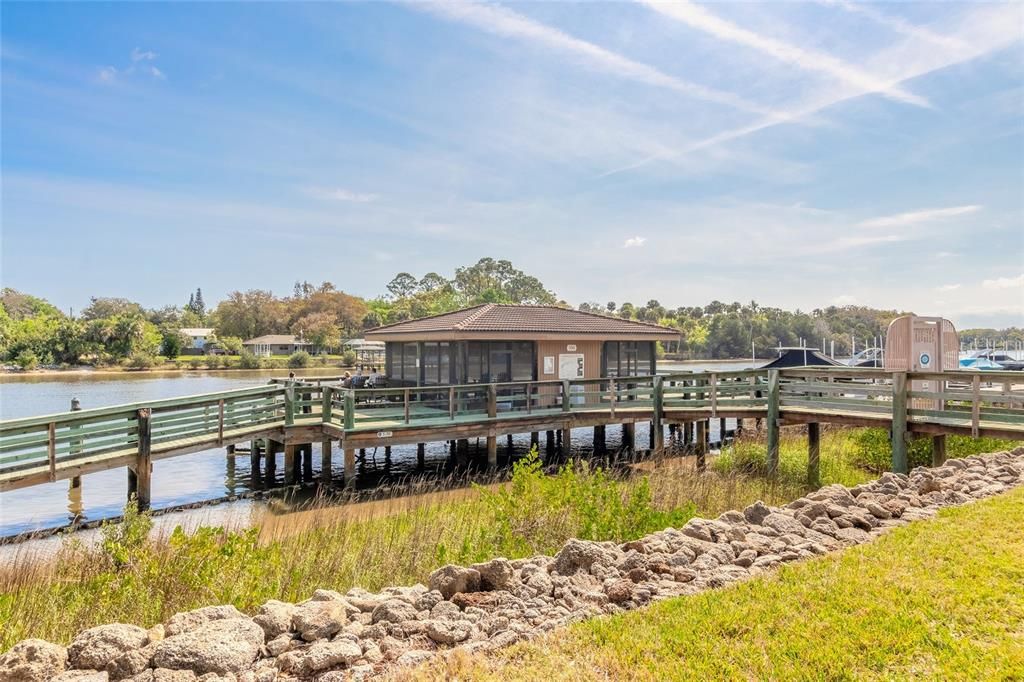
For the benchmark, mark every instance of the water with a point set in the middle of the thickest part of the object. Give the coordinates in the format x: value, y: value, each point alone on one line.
x: 211, y: 475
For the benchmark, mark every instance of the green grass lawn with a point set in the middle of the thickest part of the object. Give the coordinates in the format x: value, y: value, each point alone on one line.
x: 937, y: 600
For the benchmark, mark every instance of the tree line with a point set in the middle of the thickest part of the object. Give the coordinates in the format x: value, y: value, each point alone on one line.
x: 118, y: 330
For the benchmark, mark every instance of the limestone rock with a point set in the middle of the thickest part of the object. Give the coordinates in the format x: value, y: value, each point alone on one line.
x: 394, y: 611
x: 452, y: 579
x: 33, y: 660
x: 220, y: 646
x: 315, y: 620
x: 495, y: 574
x: 131, y: 662
x: 320, y: 657
x: 275, y: 617
x: 756, y: 513
x: 94, y: 648
x: 580, y: 555
x: 448, y: 632
x: 181, y: 622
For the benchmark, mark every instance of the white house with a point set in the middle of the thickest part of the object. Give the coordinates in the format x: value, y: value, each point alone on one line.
x: 197, y: 336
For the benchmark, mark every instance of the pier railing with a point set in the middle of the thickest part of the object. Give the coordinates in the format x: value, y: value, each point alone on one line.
x: 45, y: 448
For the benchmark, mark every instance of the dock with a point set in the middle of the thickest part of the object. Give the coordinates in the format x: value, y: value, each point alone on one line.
x: 290, y: 414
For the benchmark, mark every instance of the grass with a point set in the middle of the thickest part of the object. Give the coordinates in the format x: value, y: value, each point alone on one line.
x: 136, y: 577
x: 939, y: 599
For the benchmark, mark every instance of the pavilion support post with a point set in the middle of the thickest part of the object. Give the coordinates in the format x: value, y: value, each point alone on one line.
x: 350, y: 466
x: 254, y: 454
x: 290, y: 462
x: 899, y: 422
x: 813, y: 453
x: 599, y: 438
x: 938, y: 450
x: 773, y: 421
x: 629, y: 437
x: 421, y: 456
x: 140, y: 479
x: 492, y: 452
x: 721, y: 432
x: 687, y: 434
x: 657, y: 410
x: 307, y: 462
x: 738, y: 433
x: 534, y: 440
x: 326, y: 455
x: 462, y: 451
x: 702, y: 444
x: 270, y: 461
x: 387, y: 452
x: 550, y: 442
x: 566, y: 441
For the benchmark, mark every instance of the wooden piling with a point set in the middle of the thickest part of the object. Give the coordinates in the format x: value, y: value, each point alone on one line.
x: 813, y: 453
x: 535, y: 441
x: 143, y: 472
x: 550, y: 443
x: 566, y: 442
x: 76, y: 445
x: 350, y: 467
x: 492, y: 452
x: 701, y: 444
x: 290, y: 462
x: 421, y: 456
x: 599, y: 438
x: 773, y: 421
x: 326, y: 463
x: 938, y: 450
x: 307, y: 462
x: 270, y: 461
x: 899, y: 422
x: 629, y: 437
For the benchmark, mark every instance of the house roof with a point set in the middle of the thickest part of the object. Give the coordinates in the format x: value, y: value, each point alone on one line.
x: 196, y: 331
x: 496, y: 321
x: 276, y: 340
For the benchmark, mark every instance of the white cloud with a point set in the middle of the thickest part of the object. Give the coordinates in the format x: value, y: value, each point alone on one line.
x: 809, y: 60
x: 634, y: 241
x: 107, y: 75
x: 845, y: 299
x: 340, y: 194
x: 921, y: 216
x: 157, y: 73
x: 896, y: 24
x: 140, y: 55
x: 948, y: 287
x: 1004, y: 282
x: 504, y: 22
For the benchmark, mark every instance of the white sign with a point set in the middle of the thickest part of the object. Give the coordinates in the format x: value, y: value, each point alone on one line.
x: 383, y: 434
x: 925, y: 359
x: 570, y: 366
x: 549, y: 364
x: 571, y: 347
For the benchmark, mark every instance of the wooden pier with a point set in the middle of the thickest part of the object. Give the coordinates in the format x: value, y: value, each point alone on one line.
x: 291, y: 414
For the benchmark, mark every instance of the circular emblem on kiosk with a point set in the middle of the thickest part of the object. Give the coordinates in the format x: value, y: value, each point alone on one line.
x: 925, y: 359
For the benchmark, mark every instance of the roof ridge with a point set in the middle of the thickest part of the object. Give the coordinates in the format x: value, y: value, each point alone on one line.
x: 470, y: 318
x: 426, y: 317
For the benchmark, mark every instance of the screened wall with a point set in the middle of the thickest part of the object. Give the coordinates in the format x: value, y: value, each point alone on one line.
x: 432, y: 363
x: 628, y: 359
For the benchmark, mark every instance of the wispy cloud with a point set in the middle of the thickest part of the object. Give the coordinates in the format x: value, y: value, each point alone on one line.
x: 948, y: 287
x: 701, y: 19
x: 921, y: 216
x: 986, y: 29
x: 140, y: 63
x: 506, y: 23
x: 634, y: 242
x: 340, y: 194
x: 895, y: 23
x: 143, y: 55
x: 1004, y: 282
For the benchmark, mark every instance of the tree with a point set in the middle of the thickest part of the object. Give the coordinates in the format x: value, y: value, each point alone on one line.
x: 232, y: 345
x: 402, y: 286
x: 432, y: 281
x: 610, y: 307
x: 372, y: 319
x: 249, y: 314
x: 320, y: 329
x: 199, y: 306
x: 626, y: 311
x: 172, y: 343
x: 106, y: 307
x: 491, y: 281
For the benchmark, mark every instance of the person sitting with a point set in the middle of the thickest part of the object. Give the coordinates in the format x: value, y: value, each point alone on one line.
x: 358, y: 380
x: 346, y: 380
x: 376, y: 379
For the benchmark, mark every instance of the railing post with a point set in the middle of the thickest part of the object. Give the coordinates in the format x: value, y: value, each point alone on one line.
x: 143, y: 461
x: 612, y: 392
x: 899, y: 422
x: 451, y: 402
x: 325, y: 404
x: 350, y: 410
x: 492, y: 400
x: 565, y: 396
x: 713, y: 382
x: 51, y: 449
x: 773, y: 421
x: 406, y: 399
x: 975, y: 404
x: 220, y: 422
x: 658, y: 441
x: 289, y: 405
x: 813, y: 453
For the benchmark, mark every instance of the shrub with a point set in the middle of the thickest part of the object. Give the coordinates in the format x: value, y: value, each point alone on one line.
x: 298, y: 359
x: 195, y: 362
x: 248, y: 360
x: 140, y: 360
x: 26, y: 359
x: 348, y: 358
x: 213, y: 361
x: 872, y: 450
x: 232, y: 345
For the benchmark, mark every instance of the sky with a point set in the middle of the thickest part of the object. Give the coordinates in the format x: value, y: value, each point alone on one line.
x: 796, y: 154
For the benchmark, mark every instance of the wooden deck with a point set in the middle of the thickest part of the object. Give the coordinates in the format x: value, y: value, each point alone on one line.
x: 53, y: 447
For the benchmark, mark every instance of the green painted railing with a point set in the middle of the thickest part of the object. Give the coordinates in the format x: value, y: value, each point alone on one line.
x: 973, y: 401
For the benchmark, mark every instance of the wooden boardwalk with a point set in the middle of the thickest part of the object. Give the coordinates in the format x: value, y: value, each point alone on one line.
x: 294, y: 412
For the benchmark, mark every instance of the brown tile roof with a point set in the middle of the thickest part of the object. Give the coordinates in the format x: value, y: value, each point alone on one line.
x: 526, y: 319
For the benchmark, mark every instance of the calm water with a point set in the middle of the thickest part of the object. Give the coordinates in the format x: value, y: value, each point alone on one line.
x: 210, y: 474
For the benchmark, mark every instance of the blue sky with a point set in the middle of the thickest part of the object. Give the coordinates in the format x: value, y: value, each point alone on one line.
x: 799, y: 154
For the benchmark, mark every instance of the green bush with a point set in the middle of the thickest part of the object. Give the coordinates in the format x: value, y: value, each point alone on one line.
x: 232, y: 345
x: 140, y: 360
x: 298, y: 359
x: 348, y: 358
x: 195, y: 362
x: 248, y: 360
x: 26, y: 359
x: 872, y: 451
x: 213, y: 361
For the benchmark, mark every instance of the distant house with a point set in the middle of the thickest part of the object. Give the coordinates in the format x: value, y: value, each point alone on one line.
x: 198, y: 337
x: 367, y: 352
x: 276, y: 344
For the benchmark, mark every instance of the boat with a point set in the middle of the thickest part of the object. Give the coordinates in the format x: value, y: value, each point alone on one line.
x: 980, y: 363
x: 869, y: 357
x: 801, y: 357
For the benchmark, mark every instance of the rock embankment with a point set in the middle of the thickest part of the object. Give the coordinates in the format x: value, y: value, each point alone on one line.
x: 333, y: 636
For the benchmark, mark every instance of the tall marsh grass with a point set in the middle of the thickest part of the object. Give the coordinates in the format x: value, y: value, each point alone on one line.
x: 136, y: 576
